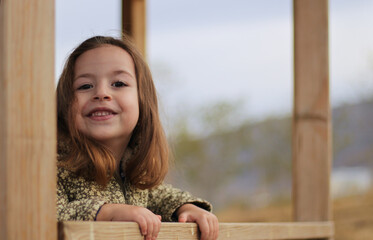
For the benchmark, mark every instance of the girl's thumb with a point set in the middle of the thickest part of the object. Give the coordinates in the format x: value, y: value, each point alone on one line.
x: 182, y: 218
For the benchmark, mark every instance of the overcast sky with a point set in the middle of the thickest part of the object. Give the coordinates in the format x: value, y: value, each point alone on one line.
x: 201, y: 52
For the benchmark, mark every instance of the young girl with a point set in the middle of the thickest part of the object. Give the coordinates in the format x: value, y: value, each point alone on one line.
x: 112, y: 151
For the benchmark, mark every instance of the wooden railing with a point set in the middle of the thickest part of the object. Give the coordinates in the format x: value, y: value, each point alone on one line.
x: 188, y: 231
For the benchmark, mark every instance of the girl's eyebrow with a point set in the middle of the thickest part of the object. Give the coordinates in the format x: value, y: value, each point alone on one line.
x: 115, y: 73
x: 84, y: 75
x: 118, y: 72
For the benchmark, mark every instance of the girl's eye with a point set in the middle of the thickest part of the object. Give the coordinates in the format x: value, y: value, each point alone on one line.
x: 119, y: 84
x: 85, y: 87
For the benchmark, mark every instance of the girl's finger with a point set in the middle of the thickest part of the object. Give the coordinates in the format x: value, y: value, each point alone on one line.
x: 157, y: 225
x: 143, y: 226
x: 216, y: 228
x: 150, y: 232
x: 213, y: 227
x: 204, y: 229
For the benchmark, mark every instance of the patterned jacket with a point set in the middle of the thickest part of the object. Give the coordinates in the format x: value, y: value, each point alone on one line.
x: 79, y: 199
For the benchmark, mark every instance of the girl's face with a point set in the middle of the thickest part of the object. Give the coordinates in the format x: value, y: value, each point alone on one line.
x: 105, y: 86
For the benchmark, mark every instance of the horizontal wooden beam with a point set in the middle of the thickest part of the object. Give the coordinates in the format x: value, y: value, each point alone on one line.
x: 128, y: 230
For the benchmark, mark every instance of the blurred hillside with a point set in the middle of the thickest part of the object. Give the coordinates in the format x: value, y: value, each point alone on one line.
x: 250, y: 166
x: 352, y: 216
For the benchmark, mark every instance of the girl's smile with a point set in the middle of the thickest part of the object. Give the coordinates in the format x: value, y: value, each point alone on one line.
x: 101, y: 114
x: 106, y: 95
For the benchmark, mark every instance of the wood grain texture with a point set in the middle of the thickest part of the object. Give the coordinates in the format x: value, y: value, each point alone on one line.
x: 189, y: 231
x: 134, y: 22
x: 311, y: 117
x: 28, y: 122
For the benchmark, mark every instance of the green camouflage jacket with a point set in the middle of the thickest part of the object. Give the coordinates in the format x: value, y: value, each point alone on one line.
x: 79, y: 199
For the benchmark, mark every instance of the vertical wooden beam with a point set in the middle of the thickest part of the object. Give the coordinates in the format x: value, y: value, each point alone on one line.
x: 134, y: 22
x: 28, y: 120
x: 312, y: 151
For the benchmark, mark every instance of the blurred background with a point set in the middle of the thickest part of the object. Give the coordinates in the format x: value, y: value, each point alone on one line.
x: 224, y: 75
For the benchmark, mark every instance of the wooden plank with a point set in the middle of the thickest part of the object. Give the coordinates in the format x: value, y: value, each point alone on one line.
x: 311, y: 116
x: 134, y: 22
x: 188, y: 231
x: 28, y: 120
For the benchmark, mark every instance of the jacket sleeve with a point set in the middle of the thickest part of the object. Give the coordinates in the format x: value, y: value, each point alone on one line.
x: 164, y: 200
x: 67, y: 210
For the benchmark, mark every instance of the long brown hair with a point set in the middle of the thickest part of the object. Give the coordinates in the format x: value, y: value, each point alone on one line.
x: 83, y: 155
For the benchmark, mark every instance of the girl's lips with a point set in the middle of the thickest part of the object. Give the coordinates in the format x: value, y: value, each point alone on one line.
x: 100, y: 114
x: 101, y: 117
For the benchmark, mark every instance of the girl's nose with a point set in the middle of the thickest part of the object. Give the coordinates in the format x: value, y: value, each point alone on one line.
x: 102, y: 94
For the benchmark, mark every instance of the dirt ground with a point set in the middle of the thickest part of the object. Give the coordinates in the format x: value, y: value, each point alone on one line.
x: 353, y: 216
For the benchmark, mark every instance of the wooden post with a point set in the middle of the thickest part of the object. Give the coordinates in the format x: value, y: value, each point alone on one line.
x: 28, y: 120
x: 312, y: 151
x: 134, y: 22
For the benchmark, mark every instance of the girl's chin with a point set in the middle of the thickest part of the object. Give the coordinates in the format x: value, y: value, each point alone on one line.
x: 103, y: 138
x: 108, y: 140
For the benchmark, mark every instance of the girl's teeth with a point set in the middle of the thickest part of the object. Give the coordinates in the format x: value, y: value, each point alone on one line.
x: 100, y: 113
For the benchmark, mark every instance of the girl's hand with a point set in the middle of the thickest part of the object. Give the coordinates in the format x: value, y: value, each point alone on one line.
x: 207, y: 222
x: 149, y: 222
